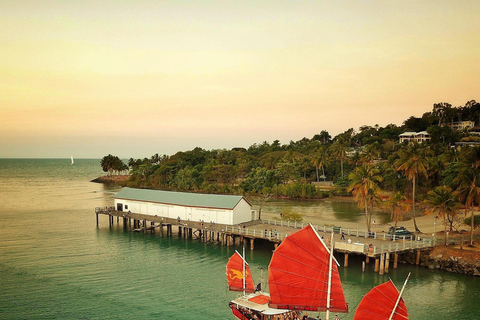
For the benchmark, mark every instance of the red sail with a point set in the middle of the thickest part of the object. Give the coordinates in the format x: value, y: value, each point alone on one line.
x: 379, y: 302
x: 235, y: 274
x: 298, y: 275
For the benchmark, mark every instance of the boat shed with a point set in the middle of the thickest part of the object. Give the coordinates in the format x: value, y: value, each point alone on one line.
x: 222, y: 209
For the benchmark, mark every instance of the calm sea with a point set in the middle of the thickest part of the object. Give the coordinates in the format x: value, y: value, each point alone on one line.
x: 55, y: 263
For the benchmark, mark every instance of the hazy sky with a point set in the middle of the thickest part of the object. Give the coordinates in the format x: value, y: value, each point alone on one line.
x: 135, y: 78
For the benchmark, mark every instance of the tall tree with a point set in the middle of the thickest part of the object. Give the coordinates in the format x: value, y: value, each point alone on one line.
x: 442, y: 202
x: 464, y: 176
x: 112, y: 163
x: 320, y: 159
x: 365, y: 189
x: 413, y: 163
x: 340, y: 152
x: 398, y: 206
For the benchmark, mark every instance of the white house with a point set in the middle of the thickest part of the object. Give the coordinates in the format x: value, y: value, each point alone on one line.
x: 462, y: 125
x: 419, y: 137
x: 222, y: 209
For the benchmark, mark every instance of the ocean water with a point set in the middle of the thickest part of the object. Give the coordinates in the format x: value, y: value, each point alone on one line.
x: 56, y: 264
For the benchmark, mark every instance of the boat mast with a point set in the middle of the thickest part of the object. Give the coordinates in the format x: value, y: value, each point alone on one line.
x: 243, y: 269
x: 399, y: 297
x: 327, y: 312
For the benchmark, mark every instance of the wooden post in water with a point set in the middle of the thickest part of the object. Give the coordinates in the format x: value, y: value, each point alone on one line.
x: 417, y: 260
x: 376, y: 265
x: 382, y: 264
x: 144, y: 226
x: 395, y: 260
x: 363, y: 266
x: 251, y: 243
x: 345, y: 260
x: 97, y: 218
x: 367, y: 260
x: 387, y: 261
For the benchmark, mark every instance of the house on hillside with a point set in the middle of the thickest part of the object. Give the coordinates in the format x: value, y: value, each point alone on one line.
x: 222, y: 209
x: 419, y: 137
x: 462, y: 125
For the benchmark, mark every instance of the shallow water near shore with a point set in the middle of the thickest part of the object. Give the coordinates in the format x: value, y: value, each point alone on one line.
x: 55, y: 262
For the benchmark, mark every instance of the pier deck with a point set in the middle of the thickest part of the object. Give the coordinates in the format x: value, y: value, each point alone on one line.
x: 378, y: 246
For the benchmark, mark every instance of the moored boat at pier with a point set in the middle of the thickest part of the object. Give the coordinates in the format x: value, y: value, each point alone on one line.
x: 303, y: 276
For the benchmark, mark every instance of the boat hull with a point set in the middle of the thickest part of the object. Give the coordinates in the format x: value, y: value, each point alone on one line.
x: 255, y: 306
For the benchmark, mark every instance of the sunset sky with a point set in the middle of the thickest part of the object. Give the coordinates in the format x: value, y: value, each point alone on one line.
x: 135, y: 78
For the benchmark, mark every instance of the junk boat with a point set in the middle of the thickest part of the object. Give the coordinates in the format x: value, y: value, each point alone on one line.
x: 383, y: 302
x: 303, y: 277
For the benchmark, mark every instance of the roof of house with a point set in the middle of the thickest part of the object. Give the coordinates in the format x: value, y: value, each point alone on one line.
x: 216, y: 201
x: 407, y: 134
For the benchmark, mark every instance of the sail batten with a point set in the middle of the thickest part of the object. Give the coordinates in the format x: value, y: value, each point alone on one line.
x: 235, y: 274
x: 298, y: 275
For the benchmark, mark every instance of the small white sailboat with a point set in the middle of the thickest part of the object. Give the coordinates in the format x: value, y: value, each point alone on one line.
x: 71, y: 158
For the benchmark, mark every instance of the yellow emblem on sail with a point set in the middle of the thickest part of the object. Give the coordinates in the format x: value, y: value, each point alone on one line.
x: 234, y: 274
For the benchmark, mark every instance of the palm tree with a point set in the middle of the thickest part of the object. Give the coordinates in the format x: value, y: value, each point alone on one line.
x: 413, y: 164
x: 324, y: 136
x: 305, y: 164
x: 365, y: 189
x: 398, y: 206
x: 319, y: 160
x: 464, y: 176
x: 155, y: 158
x: 443, y: 202
x: 340, y: 151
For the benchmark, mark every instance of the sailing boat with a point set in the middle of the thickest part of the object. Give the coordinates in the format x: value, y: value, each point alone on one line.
x: 238, y: 274
x: 383, y: 302
x: 302, y: 277
x: 71, y: 158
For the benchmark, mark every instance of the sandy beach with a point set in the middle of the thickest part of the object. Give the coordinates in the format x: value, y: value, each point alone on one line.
x: 424, y: 222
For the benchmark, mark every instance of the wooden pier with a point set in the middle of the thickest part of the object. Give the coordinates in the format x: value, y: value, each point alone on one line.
x: 377, y: 247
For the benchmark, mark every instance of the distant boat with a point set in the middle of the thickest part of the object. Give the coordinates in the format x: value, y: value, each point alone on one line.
x: 71, y: 157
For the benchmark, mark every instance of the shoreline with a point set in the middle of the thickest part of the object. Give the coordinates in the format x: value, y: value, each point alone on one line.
x: 426, y: 224
x: 120, y: 180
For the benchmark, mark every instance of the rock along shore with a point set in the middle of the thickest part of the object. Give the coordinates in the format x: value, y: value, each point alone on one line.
x: 449, y: 259
x: 120, y: 180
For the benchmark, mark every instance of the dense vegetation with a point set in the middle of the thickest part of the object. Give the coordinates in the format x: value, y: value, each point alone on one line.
x: 370, y: 164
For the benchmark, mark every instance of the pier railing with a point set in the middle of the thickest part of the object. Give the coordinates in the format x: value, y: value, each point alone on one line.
x: 396, y: 244
x: 340, y: 230
x: 345, y: 239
